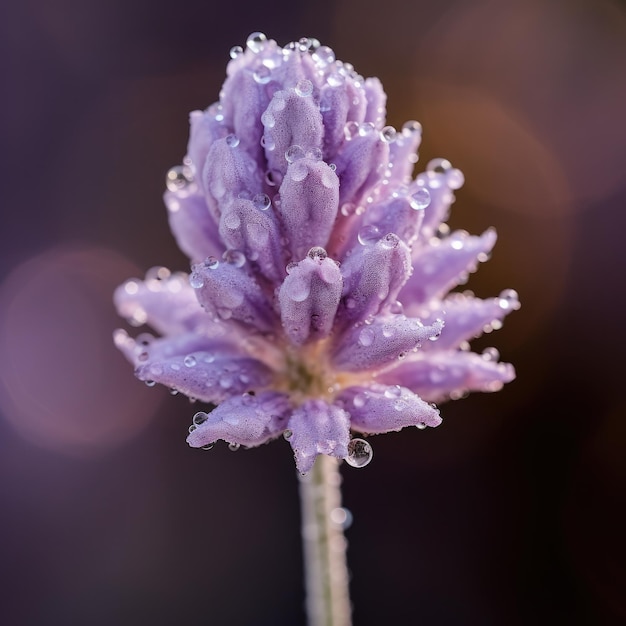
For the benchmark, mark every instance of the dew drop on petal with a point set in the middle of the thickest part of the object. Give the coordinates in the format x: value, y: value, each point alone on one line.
x: 368, y: 234
x: 317, y: 253
x: 490, y: 354
x: 298, y: 172
x: 351, y: 130
x: 234, y: 257
x: 199, y: 418
x: 420, y: 426
x: 359, y: 400
x: 388, y: 134
x: 190, y: 360
x: 420, y: 199
x: 304, y: 88
x: 235, y: 51
x: 439, y: 166
x: 178, y: 178
x: 393, y: 392
x: 287, y: 434
x: 359, y: 453
x: 233, y: 447
x: 508, y: 299
x: 455, y: 178
x: 196, y: 281
x: 256, y: 41
x: 290, y: 267
x: 232, y: 140
x: 262, y: 201
x: 323, y: 56
x: 262, y: 75
x: 366, y: 337
x: 390, y: 241
x: 149, y: 383
x: 411, y: 127
x: 208, y: 446
x: 294, y: 153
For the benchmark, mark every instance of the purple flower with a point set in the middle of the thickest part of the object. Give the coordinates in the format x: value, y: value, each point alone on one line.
x: 321, y: 269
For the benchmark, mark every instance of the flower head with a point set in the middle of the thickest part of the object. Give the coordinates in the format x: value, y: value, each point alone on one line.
x: 319, y: 299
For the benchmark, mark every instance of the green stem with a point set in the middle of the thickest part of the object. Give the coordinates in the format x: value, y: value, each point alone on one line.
x: 328, y: 600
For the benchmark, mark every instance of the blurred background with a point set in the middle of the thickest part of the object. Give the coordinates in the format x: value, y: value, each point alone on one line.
x: 512, y: 512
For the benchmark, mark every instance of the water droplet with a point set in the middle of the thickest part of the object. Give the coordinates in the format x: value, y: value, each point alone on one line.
x: 455, y: 178
x: 192, y: 428
x: 335, y: 79
x: 173, y: 392
x: 273, y: 177
x: 268, y: 120
x: 224, y: 313
x: 256, y: 41
x: 233, y: 447
x: 315, y: 154
x: 368, y: 234
x: 199, y: 418
x: 420, y: 199
x: 304, y: 87
x: 440, y: 166
x: 298, y: 172
x: 291, y: 266
x: 366, y: 337
x: 262, y: 201
x: 351, y: 130
x: 317, y: 253
x: 342, y: 517
x: 347, y: 209
x: 333, y: 167
x: 411, y: 127
x: 390, y: 241
x: 393, y: 392
x: 294, y: 153
x: 287, y: 434
x: 359, y: 400
x: 396, y: 308
x: 262, y: 75
x: 178, y: 178
x: 365, y: 129
x: 190, y: 360
x: 360, y: 453
x: 234, y: 257
x: 508, y: 299
x: 149, y: 383
x: 388, y: 134
x: 324, y: 56
x: 420, y: 426
x: 235, y: 51
x: 490, y: 354
x: 208, y: 446
x: 232, y: 141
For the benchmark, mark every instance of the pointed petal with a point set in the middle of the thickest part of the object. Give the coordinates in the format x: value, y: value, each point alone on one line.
x: 193, y: 226
x: 167, y: 304
x: 437, y: 376
x: 381, y: 409
x: 373, y: 275
x: 318, y: 428
x: 376, y: 99
x: 360, y: 164
x: 251, y: 227
x: 230, y: 171
x: 309, y: 298
x: 403, y: 153
x: 227, y: 292
x: 381, y: 343
x: 207, y: 376
x: 309, y: 197
x: 467, y: 317
x: 291, y: 120
x: 399, y: 214
x: 247, y: 420
x: 443, y: 264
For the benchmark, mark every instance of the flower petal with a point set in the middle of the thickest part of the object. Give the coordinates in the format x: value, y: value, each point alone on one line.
x: 251, y: 227
x: 309, y: 298
x: 380, y: 408
x: 403, y: 153
x: 226, y: 292
x: 384, y: 341
x: 309, y: 197
x: 373, y: 275
x: 437, y: 376
x: 193, y: 226
x: 167, y: 304
x: 247, y: 420
x: 467, y: 317
x: 318, y: 428
x: 398, y: 214
x: 291, y: 120
x: 440, y: 266
x: 376, y: 99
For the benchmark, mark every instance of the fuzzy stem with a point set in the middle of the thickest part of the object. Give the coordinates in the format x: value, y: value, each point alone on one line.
x: 326, y: 571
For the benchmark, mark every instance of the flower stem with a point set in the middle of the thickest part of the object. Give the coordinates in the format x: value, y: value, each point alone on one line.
x: 326, y: 571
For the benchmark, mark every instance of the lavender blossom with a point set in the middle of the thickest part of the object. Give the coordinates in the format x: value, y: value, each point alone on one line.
x: 319, y: 300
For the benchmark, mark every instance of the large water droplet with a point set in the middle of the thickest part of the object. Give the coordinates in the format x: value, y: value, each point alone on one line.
x: 190, y: 360
x: 360, y: 453
x: 200, y: 418
x: 351, y: 130
x: 368, y: 234
x: 235, y: 51
x: 234, y: 257
x: 455, y: 178
x: 196, y: 281
x: 262, y: 201
x: 324, y: 56
x: 294, y: 153
x: 232, y: 141
x: 411, y: 127
x: 490, y: 354
x: 233, y: 447
x: 256, y: 41
x: 304, y: 88
x: 508, y: 299
x: 420, y: 199
x: 298, y: 172
x: 390, y: 241
x: 262, y: 75
x: 439, y: 166
x: 211, y: 263
x: 317, y: 253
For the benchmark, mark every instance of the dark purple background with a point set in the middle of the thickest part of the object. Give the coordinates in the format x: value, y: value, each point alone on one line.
x: 512, y: 512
